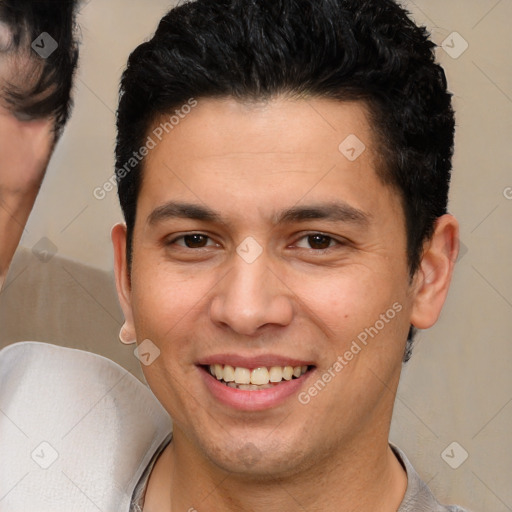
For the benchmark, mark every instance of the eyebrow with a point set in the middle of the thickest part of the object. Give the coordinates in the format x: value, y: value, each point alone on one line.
x: 332, y: 212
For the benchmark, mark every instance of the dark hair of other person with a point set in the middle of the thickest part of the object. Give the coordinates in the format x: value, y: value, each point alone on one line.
x: 34, y: 87
x: 364, y: 50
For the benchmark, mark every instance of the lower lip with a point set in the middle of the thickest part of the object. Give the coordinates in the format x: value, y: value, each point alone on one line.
x: 257, y: 400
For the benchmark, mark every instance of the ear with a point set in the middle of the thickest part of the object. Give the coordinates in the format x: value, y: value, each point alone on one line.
x: 123, y: 285
x: 432, y: 280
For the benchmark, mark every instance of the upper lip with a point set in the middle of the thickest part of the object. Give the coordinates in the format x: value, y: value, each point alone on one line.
x: 267, y: 360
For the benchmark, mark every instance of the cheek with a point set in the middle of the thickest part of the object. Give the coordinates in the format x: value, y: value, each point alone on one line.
x: 166, y: 303
x: 349, y: 298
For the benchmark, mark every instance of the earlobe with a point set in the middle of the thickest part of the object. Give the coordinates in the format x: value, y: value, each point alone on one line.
x: 127, y: 333
x: 433, y: 277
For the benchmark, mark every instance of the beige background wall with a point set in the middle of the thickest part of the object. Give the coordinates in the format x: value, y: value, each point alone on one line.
x: 458, y: 386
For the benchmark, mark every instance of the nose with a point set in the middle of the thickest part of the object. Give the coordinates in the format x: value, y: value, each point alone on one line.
x: 252, y: 296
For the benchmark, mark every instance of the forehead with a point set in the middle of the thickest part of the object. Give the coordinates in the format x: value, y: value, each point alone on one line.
x: 224, y: 153
x: 290, y: 128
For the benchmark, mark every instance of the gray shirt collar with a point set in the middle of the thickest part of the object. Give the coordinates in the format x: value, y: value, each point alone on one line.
x: 418, y: 497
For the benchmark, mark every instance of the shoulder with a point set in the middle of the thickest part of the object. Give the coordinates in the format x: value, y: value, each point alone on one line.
x: 78, y: 430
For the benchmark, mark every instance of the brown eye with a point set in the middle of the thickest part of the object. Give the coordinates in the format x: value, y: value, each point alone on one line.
x: 319, y: 241
x: 195, y: 241
x: 192, y: 241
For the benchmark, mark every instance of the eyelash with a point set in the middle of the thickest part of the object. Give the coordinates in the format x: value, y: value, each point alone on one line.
x: 313, y: 234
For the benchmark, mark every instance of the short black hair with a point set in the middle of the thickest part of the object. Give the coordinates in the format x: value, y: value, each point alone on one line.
x: 364, y: 50
x: 37, y: 87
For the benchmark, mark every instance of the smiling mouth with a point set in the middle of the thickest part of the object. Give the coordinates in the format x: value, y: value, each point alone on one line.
x: 256, y: 379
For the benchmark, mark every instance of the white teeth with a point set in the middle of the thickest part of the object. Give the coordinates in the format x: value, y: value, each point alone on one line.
x: 242, y: 375
x: 258, y: 378
x: 229, y: 373
x: 287, y: 372
x: 253, y: 387
x: 276, y: 374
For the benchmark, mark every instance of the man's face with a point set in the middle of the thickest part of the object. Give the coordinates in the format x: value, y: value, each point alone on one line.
x: 25, y: 148
x: 258, y: 288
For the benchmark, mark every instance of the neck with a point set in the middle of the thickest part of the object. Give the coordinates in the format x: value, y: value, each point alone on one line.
x: 361, y: 477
